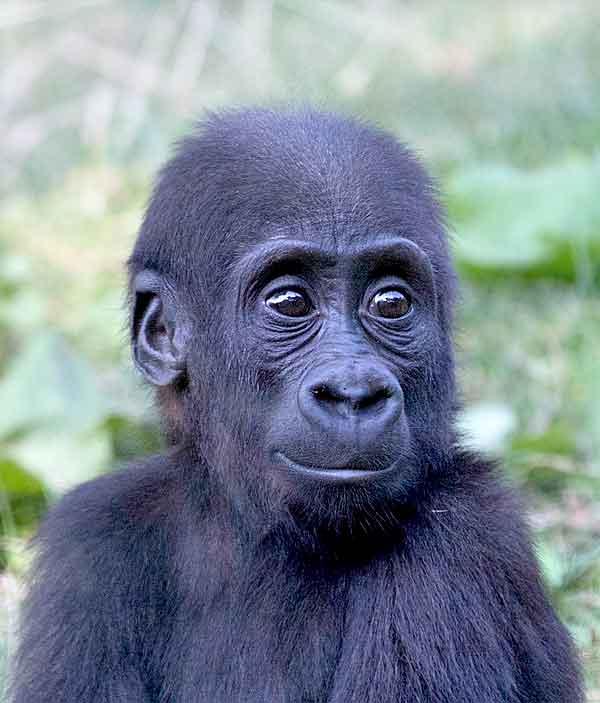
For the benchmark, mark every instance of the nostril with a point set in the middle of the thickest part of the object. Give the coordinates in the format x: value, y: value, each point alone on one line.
x: 354, y: 400
x: 372, y: 401
x: 325, y: 394
x: 320, y: 392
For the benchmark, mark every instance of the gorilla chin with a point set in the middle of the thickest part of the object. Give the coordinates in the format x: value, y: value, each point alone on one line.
x: 346, y: 506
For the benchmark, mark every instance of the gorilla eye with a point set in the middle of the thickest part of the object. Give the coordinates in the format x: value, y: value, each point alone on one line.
x: 391, y: 303
x: 291, y: 303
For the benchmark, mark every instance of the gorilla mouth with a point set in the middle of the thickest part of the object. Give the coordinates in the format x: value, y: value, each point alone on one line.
x: 335, y: 474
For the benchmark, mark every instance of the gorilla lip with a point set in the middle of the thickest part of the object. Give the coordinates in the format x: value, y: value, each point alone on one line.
x: 333, y: 474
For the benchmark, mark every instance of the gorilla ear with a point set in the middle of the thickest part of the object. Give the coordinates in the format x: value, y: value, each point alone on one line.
x: 159, y: 332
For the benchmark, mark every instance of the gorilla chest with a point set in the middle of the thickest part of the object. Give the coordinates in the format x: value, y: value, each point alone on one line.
x: 272, y: 646
x: 284, y: 636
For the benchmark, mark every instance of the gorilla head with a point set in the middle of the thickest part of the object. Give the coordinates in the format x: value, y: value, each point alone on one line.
x: 292, y: 298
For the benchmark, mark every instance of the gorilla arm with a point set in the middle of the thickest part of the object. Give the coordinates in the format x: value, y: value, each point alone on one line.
x: 88, y: 604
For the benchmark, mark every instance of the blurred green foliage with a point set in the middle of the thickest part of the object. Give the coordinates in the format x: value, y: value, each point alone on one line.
x: 502, y: 99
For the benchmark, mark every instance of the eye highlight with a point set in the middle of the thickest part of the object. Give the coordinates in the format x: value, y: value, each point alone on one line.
x: 290, y: 303
x: 391, y: 303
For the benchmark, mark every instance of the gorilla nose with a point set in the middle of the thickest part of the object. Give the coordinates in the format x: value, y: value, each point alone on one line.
x: 366, y: 396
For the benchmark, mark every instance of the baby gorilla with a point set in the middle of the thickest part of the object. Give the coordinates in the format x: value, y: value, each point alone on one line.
x: 313, y: 533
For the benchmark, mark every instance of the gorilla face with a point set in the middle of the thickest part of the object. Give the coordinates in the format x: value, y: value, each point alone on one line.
x: 304, y: 346
x: 336, y: 331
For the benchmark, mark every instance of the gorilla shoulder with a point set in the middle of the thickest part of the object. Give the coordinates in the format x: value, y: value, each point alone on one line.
x: 112, y: 517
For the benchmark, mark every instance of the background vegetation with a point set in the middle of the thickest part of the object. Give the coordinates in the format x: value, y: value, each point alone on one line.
x: 503, y: 101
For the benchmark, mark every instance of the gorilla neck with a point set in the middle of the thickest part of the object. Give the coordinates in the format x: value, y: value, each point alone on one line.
x: 323, y: 618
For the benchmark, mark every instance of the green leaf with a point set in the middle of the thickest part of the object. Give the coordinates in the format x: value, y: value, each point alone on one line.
x: 557, y: 439
x: 14, y: 479
x: 48, y: 384
x: 60, y: 459
x: 537, y: 223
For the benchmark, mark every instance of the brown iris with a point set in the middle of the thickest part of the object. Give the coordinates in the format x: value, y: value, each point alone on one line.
x: 391, y: 303
x: 291, y: 303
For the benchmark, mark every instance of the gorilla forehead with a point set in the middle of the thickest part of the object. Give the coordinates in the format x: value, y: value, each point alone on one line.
x: 248, y: 175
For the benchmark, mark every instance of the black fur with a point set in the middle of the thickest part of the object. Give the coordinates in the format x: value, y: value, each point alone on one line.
x: 213, y: 573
